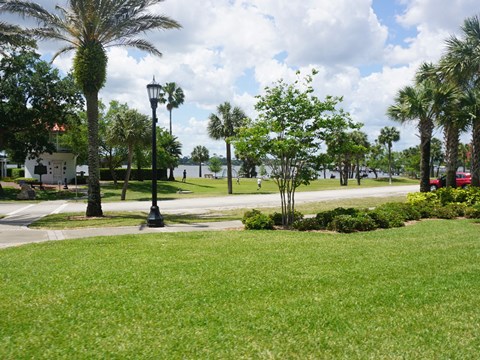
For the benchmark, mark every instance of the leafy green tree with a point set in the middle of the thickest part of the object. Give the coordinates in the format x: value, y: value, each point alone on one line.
x: 224, y: 125
x: 88, y: 27
x: 33, y: 98
x: 132, y: 129
x: 463, y: 154
x: 389, y: 135
x: 200, y: 155
x: 286, y: 136
x: 215, y: 165
x: 360, y: 150
x: 375, y: 157
x: 169, y: 150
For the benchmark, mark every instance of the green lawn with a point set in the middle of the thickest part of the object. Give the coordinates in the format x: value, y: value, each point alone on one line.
x: 408, y: 293
x: 141, y: 190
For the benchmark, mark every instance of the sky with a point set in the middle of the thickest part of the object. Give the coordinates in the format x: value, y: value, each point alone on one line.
x: 230, y: 50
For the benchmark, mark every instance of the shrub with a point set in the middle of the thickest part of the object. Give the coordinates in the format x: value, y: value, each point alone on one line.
x: 419, y: 197
x: 472, y: 195
x: 326, y: 217
x: 259, y: 222
x: 278, y: 217
x: 17, y: 173
x: 249, y: 214
x: 450, y: 195
x: 307, y: 224
x: 473, y: 212
x: 380, y: 218
x: 351, y: 223
x: 407, y: 211
x: 446, y: 212
x: 425, y: 208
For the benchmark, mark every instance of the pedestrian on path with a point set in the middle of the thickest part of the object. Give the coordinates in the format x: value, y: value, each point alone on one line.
x: 259, y: 183
x: 184, y: 179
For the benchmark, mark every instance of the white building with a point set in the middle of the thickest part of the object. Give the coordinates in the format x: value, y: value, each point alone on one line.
x: 58, y: 166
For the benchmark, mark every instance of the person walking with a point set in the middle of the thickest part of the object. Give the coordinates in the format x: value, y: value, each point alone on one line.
x: 184, y: 178
x: 259, y: 183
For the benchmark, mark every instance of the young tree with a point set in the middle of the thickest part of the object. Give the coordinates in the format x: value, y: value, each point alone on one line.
x: 215, y: 165
x: 389, y: 135
x: 291, y: 123
x: 88, y: 27
x: 132, y: 129
x: 224, y: 125
x: 173, y: 96
x: 169, y: 150
x: 200, y: 155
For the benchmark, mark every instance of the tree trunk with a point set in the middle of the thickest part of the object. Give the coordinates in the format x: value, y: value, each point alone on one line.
x: 390, y: 165
x: 475, y: 160
x: 426, y: 128
x: 127, y: 174
x: 171, y: 177
x: 229, y: 168
x: 451, y: 134
x: 200, y: 170
x: 94, y: 205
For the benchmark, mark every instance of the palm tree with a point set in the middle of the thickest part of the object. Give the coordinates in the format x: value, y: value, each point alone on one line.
x: 132, y: 129
x: 173, y: 96
x: 88, y: 27
x: 389, y: 135
x: 169, y: 149
x: 463, y: 62
x: 359, y: 150
x: 414, y: 103
x: 199, y: 155
x: 436, y: 156
x: 224, y: 125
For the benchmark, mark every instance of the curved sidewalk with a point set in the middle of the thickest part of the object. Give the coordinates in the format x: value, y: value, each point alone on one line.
x: 11, y: 235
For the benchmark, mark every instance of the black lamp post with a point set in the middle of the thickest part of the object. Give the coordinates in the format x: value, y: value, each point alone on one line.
x: 154, y: 219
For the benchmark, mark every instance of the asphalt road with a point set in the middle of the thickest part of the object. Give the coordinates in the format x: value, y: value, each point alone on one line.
x: 18, y: 215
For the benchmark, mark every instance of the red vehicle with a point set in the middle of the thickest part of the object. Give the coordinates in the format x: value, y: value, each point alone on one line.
x: 463, y: 180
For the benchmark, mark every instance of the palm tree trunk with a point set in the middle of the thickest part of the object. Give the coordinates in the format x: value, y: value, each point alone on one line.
x: 200, y: 170
x: 475, y: 162
x: 94, y: 205
x: 390, y: 165
x: 451, y: 153
x: 127, y: 173
x: 426, y: 128
x: 229, y: 168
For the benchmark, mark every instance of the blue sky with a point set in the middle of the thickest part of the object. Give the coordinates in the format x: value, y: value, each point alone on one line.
x: 229, y: 50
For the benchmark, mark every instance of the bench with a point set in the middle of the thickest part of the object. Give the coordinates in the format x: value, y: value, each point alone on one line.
x: 208, y: 176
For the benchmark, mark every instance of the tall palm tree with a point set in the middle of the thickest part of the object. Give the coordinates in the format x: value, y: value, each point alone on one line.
x: 200, y: 155
x: 448, y: 115
x: 173, y: 96
x: 89, y: 27
x: 389, y: 135
x: 132, y: 129
x: 414, y: 103
x: 223, y: 126
x: 463, y: 62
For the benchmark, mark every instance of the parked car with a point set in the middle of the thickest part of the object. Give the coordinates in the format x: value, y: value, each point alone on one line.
x: 463, y: 180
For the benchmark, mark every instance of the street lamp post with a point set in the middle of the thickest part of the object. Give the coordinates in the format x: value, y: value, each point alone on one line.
x: 154, y: 219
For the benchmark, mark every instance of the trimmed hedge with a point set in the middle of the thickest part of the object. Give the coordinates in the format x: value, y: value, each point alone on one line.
x: 136, y: 174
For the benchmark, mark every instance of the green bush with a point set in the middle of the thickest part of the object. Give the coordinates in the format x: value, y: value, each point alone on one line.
x: 421, y: 197
x: 278, y: 217
x: 258, y: 221
x: 307, y: 224
x: 473, y: 212
x: 17, y: 173
x: 142, y: 174
x: 446, y: 212
x: 324, y: 218
x: 380, y: 218
x: 472, y: 194
x: 352, y: 223
x: 406, y: 211
x: 250, y: 213
x: 425, y: 208
x: 24, y: 179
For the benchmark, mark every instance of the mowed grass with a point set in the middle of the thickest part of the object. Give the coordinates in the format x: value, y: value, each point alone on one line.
x: 408, y: 293
x: 141, y: 190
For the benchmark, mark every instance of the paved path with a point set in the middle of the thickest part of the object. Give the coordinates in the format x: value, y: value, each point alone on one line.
x: 18, y: 215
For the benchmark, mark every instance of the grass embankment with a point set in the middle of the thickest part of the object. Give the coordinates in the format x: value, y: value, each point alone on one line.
x: 78, y: 220
x: 409, y: 293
